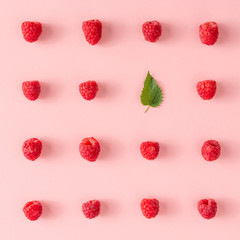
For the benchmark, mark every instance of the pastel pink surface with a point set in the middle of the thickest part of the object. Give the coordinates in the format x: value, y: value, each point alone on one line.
x: 120, y: 178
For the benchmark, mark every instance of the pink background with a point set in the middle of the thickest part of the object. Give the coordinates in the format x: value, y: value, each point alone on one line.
x: 61, y: 179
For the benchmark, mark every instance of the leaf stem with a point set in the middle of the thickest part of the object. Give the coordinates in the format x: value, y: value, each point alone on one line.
x: 147, y: 109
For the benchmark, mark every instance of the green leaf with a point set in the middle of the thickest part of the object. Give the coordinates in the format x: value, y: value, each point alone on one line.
x: 151, y: 93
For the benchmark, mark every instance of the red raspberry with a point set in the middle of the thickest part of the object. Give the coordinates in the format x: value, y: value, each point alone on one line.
x: 31, y: 31
x: 92, y: 30
x: 149, y: 150
x: 31, y: 89
x: 211, y: 150
x: 208, y: 33
x: 89, y: 149
x: 33, y: 210
x: 91, y: 209
x: 152, y: 31
x: 88, y: 90
x: 207, y: 208
x: 32, y: 148
x: 206, y: 89
x: 149, y: 207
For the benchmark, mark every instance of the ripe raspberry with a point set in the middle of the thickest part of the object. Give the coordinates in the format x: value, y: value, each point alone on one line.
x: 208, y: 33
x: 89, y: 149
x: 91, y: 209
x: 31, y: 89
x: 207, y: 208
x: 152, y: 30
x: 32, y: 148
x: 92, y: 30
x: 206, y: 89
x: 88, y: 90
x: 31, y: 31
x: 33, y: 210
x: 149, y: 207
x: 211, y: 150
x: 149, y: 150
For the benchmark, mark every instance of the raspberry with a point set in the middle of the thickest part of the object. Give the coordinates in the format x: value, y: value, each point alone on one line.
x: 88, y: 90
x: 206, y: 89
x: 208, y: 33
x: 33, y: 210
x: 149, y: 207
x: 31, y: 31
x: 91, y: 209
x: 89, y: 149
x: 149, y: 150
x: 152, y: 31
x: 92, y: 30
x: 31, y: 89
x: 32, y: 148
x: 207, y: 208
x: 211, y: 150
